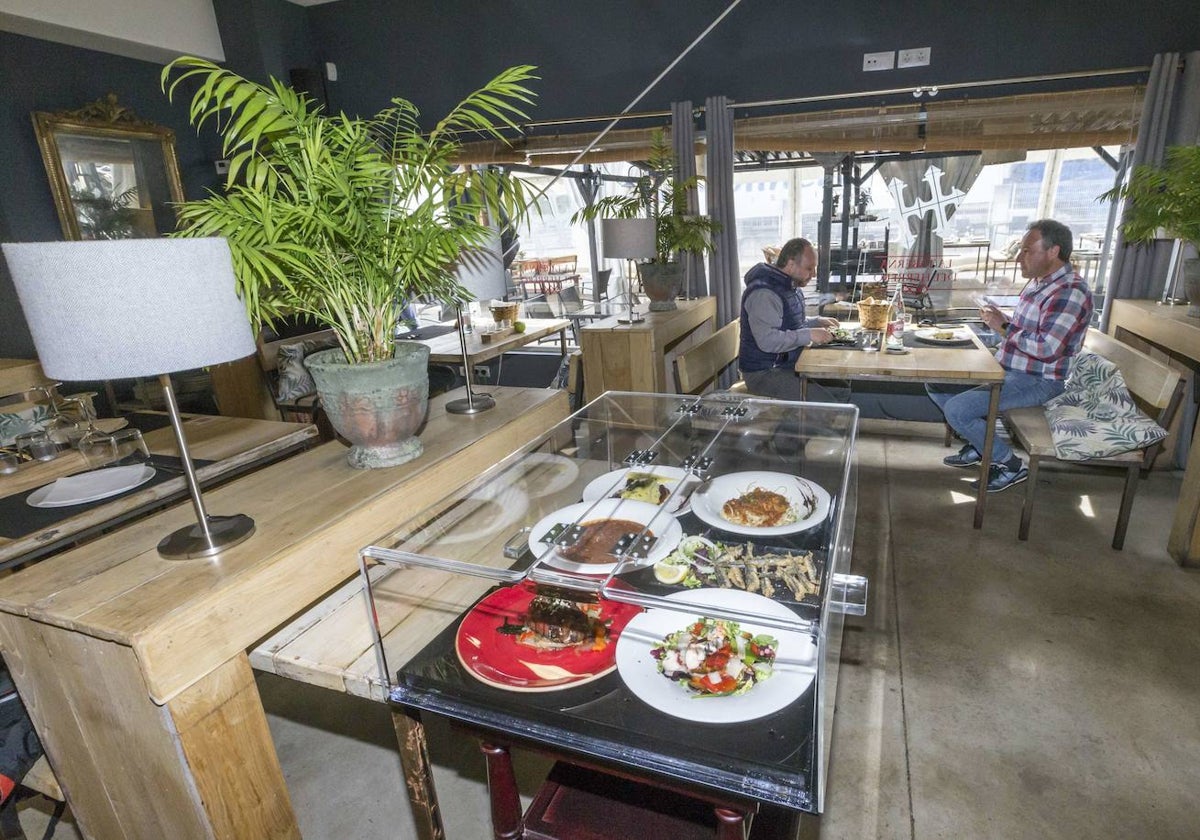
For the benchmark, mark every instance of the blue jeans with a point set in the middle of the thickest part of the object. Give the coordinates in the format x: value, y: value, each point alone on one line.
x: 966, y: 411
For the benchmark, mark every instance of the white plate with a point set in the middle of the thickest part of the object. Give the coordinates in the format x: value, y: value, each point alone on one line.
x: 613, y: 482
x: 90, y: 486
x: 664, y: 527
x: 928, y: 334
x: 707, y: 502
x: 795, y: 660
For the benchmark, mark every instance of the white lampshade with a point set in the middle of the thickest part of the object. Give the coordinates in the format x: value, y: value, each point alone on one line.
x: 628, y: 239
x: 118, y: 309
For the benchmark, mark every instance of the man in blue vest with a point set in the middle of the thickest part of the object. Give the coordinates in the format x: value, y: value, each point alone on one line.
x: 776, y: 328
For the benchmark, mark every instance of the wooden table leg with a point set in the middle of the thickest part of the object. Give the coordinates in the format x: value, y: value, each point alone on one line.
x: 985, y: 466
x: 203, y: 766
x: 1184, y: 541
x: 418, y: 774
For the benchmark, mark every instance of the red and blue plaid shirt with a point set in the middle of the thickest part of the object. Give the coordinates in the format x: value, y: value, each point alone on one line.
x: 1048, y: 325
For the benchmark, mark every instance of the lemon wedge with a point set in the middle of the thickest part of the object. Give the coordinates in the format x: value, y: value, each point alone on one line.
x: 665, y: 572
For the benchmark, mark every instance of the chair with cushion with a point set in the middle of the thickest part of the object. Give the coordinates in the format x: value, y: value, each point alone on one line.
x: 1154, y: 385
x: 699, y: 367
x: 291, y: 385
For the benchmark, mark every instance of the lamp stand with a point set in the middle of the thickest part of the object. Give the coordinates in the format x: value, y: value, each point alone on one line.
x: 473, y: 403
x: 211, y: 534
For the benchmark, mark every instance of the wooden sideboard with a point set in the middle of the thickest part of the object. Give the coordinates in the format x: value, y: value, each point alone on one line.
x: 639, y: 356
x: 134, y: 668
x: 1171, y: 330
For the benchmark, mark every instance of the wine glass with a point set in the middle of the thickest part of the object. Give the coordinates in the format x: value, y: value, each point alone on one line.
x: 61, y: 425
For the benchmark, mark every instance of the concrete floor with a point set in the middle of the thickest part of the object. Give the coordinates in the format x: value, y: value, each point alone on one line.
x: 995, y: 689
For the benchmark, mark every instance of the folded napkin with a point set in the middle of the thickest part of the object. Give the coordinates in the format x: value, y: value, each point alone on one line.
x: 97, y: 484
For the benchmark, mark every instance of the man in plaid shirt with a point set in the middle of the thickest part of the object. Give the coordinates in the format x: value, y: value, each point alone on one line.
x: 1046, y: 330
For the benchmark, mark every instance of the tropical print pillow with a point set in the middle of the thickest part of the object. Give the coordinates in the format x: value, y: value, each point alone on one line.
x: 13, y: 423
x: 1095, y: 416
x: 294, y: 379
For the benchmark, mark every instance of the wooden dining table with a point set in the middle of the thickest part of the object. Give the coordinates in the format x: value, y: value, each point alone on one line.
x: 446, y: 349
x: 969, y: 365
x: 230, y: 445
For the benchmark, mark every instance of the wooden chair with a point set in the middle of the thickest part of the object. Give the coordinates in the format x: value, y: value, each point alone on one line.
x: 1155, y: 386
x: 698, y: 367
x: 581, y: 803
x: 304, y: 408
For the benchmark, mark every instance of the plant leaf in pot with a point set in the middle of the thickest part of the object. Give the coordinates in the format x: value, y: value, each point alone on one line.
x: 661, y: 196
x: 1166, y: 198
x: 347, y: 219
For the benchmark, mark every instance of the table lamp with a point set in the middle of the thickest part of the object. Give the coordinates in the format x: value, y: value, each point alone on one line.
x: 119, y: 309
x: 629, y: 239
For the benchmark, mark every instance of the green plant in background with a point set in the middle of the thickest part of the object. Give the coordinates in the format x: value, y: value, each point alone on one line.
x: 347, y: 219
x: 1165, y: 197
x: 661, y: 196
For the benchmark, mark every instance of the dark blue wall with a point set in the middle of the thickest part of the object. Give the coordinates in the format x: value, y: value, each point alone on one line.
x: 594, y: 57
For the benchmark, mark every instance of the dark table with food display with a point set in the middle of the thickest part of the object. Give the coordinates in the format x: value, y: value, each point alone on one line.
x: 653, y: 589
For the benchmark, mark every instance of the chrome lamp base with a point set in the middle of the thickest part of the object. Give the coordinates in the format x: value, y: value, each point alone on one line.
x: 193, y: 541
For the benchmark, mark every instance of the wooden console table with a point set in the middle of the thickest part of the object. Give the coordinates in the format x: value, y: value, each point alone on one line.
x: 638, y: 357
x: 134, y: 668
x: 1170, y: 329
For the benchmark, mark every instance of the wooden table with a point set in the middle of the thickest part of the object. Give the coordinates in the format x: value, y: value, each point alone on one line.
x: 640, y: 356
x: 446, y: 349
x: 134, y: 668
x: 949, y: 365
x: 1169, y: 329
x: 17, y: 375
x: 234, y: 444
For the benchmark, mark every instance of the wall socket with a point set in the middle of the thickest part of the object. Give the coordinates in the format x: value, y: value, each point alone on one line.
x: 879, y: 60
x: 482, y: 373
x: 916, y: 57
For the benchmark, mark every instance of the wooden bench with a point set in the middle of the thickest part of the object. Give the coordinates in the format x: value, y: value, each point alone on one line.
x: 698, y: 367
x: 1156, y: 387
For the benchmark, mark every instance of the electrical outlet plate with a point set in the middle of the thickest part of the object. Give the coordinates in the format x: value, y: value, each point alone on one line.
x: 916, y: 57
x: 879, y: 61
x: 482, y: 372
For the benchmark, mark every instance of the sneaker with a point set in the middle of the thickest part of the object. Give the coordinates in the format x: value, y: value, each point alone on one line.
x: 968, y: 456
x: 1001, y: 477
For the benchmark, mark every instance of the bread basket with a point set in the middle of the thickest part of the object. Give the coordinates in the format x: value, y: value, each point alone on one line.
x: 873, y: 314
x: 502, y: 312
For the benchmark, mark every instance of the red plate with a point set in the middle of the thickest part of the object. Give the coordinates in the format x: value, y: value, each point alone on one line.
x: 496, y: 659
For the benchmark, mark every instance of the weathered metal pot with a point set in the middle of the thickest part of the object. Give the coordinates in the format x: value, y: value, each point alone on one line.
x: 661, y: 282
x: 377, y: 406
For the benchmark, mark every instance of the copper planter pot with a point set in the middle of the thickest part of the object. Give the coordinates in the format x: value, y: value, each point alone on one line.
x: 377, y: 406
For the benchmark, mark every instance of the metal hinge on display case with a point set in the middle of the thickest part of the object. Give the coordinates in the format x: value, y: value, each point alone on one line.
x: 641, y: 457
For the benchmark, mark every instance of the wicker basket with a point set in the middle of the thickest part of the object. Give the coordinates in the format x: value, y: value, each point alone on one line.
x: 874, y: 315
x: 502, y: 312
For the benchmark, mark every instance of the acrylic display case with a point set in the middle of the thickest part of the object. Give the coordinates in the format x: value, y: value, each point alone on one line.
x: 561, y: 584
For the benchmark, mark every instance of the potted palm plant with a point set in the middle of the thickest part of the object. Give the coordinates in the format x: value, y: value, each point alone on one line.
x: 345, y: 220
x: 1167, y: 198
x: 660, y: 197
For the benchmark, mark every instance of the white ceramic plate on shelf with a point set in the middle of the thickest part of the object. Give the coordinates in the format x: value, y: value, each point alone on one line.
x: 90, y: 486
x: 708, y: 502
x: 611, y: 483
x: 795, y: 660
x: 662, y: 525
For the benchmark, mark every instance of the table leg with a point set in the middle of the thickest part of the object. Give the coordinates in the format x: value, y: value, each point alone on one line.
x: 1184, y: 541
x: 418, y: 774
x: 986, y: 464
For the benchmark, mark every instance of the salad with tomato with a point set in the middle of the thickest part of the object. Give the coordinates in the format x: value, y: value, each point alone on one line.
x: 715, y: 658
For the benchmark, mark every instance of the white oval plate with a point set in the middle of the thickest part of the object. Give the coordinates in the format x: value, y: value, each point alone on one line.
x: 795, y: 660
x: 610, y: 483
x: 664, y: 527
x: 90, y: 486
x: 708, y: 501
x: 928, y: 335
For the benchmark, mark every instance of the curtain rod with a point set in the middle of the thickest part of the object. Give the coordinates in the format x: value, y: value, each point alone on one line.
x: 766, y: 103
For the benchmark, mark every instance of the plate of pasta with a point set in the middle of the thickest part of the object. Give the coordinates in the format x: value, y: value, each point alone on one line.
x: 761, y: 503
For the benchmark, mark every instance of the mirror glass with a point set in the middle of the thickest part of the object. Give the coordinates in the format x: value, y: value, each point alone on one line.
x: 113, y: 176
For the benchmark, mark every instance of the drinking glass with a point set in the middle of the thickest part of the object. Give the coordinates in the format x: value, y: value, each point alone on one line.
x: 97, y: 449
x: 37, y: 445
x: 10, y: 462
x: 128, y: 443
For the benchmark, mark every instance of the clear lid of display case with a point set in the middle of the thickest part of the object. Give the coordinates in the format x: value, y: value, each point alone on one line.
x: 659, y: 501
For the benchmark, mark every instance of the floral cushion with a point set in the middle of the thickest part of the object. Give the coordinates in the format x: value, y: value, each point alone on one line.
x: 1095, y: 416
x: 294, y: 379
x: 13, y: 423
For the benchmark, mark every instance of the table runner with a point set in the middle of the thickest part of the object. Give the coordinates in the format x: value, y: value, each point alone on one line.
x: 18, y: 519
x: 423, y: 333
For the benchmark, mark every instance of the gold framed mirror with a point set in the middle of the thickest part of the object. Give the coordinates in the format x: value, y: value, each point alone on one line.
x: 113, y: 175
